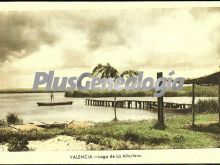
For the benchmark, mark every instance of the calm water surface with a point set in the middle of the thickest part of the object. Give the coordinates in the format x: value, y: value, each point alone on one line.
x: 25, y: 106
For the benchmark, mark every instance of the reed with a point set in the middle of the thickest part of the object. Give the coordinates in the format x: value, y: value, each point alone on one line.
x: 123, y: 93
x: 201, y: 91
x: 207, y: 106
x: 12, y: 118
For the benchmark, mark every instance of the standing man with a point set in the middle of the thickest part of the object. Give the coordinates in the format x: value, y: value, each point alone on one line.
x: 51, y: 96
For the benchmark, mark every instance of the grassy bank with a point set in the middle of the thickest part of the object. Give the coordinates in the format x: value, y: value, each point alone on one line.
x: 200, y: 91
x: 135, y: 135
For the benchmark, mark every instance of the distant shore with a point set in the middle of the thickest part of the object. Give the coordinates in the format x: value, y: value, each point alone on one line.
x: 26, y: 91
x: 200, y: 91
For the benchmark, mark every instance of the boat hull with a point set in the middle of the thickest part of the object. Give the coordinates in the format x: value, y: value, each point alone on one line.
x: 54, y: 103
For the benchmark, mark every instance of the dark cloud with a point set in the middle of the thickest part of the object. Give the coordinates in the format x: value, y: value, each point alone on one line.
x: 22, y: 33
x: 101, y: 29
x: 105, y: 32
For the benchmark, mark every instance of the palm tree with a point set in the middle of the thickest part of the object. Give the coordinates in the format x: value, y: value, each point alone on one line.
x: 108, y: 71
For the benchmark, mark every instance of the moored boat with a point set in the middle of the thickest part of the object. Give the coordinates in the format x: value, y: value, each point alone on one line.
x: 54, y: 103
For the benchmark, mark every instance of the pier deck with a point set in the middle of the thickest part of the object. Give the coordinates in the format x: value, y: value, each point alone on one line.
x: 137, y: 104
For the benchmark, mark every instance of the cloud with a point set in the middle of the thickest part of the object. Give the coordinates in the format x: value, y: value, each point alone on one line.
x: 178, y: 38
x: 105, y: 32
x: 73, y: 58
x: 181, y: 39
x: 103, y: 28
x: 185, y: 39
x: 22, y: 33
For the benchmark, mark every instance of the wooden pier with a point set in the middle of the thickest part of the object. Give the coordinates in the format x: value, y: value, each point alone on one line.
x: 137, y: 104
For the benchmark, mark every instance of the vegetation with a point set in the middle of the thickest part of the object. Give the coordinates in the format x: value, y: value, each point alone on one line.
x: 143, y: 134
x: 213, y: 128
x: 106, y: 93
x: 15, y: 144
x: 12, y: 118
x: 6, y: 134
x: 108, y: 71
x: 136, y: 135
x: 207, y: 106
x: 200, y: 91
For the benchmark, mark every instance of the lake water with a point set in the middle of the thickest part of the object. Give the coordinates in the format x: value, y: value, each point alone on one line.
x: 25, y: 106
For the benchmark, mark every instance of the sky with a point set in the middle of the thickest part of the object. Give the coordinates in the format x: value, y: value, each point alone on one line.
x: 70, y: 42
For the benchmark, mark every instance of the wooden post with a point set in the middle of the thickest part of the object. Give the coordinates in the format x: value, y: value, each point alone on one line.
x: 160, y: 104
x: 193, y: 104
x: 115, y: 107
x: 219, y: 103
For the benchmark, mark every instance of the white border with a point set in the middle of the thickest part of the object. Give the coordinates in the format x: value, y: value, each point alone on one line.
x: 36, y: 6
x: 148, y: 156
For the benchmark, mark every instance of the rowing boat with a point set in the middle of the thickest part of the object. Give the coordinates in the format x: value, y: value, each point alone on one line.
x: 54, y: 103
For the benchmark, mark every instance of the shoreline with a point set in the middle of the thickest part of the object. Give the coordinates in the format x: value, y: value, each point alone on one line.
x: 186, y: 92
x: 28, y: 126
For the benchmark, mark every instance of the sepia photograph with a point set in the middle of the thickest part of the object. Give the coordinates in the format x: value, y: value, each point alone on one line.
x: 109, y: 79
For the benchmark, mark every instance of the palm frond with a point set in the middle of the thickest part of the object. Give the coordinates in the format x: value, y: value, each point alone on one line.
x: 108, y: 71
x: 129, y: 73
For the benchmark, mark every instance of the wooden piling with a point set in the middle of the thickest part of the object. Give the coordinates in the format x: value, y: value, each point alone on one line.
x: 219, y: 102
x: 193, y: 104
x: 160, y: 104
